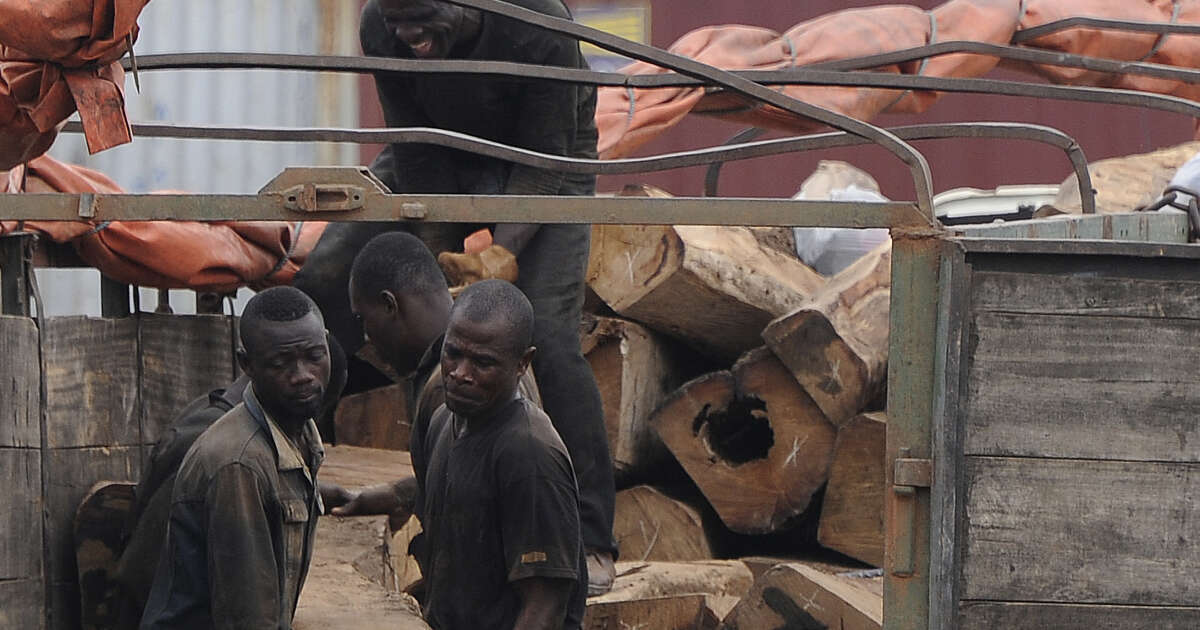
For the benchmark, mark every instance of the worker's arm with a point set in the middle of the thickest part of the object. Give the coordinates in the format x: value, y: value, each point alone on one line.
x: 396, y: 499
x: 333, y: 495
x: 243, y: 582
x: 543, y: 603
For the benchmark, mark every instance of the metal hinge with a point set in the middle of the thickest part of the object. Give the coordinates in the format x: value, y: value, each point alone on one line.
x: 324, y: 189
x: 908, y: 474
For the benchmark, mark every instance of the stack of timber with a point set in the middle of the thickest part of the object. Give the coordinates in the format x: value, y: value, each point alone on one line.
x: 714, y: 288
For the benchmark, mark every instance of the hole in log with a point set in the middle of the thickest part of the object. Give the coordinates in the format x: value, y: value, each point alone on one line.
x: 739, y: 433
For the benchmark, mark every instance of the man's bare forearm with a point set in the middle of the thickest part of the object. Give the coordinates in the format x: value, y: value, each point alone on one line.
x: 543, y: 603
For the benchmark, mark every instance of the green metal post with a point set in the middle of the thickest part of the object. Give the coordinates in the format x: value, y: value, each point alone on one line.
x: 14, y: 290
x: 916, y: 260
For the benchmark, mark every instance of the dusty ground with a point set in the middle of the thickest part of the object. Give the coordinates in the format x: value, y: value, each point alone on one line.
x: 339, y: 593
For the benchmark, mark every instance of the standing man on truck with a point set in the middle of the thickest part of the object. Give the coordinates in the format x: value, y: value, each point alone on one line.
x: 547, y: 262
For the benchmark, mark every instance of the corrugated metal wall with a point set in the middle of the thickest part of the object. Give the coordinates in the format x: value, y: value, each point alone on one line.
x: 268, y: 98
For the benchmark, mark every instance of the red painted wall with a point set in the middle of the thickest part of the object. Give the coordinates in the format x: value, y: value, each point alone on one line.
x: 1102, y: 130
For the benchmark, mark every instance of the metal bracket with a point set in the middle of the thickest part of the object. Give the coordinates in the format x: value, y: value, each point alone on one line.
x: 324, y: 189
x: 908, y: 474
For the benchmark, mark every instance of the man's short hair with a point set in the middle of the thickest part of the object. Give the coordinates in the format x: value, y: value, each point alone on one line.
x: 489, y: 299
x: 397, y: 262
x: 277, y: 304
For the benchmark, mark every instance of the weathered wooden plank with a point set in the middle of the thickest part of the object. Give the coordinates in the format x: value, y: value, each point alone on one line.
x: 852, y: 511
x: 20, y: 413
x: 1013, y: 616
x: 1079, y: 531
x: 376, y: 418
x: 91, y: 382
x: 673, y: 612
x: 353, y: 467
x: 797, y: 596
x: 71, y: 473
x: 1083, y: 386
x: 1072, y: 294
x: 21, y: 520
x: 723, y: 582
x: 183, y: 356
x: 22, y: 604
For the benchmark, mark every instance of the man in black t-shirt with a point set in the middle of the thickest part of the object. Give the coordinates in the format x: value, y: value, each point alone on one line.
x: 550, y: 260
x: 500, y: 511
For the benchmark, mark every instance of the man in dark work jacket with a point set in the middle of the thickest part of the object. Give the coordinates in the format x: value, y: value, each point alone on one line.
x: 147, y: 527
x: 551, y: 260
x: 244, y: 505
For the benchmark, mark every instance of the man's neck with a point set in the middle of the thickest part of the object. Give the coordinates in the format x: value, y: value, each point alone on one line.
x: 476, y: 422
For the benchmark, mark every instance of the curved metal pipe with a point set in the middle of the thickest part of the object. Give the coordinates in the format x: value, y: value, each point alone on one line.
x: 712, y: 175
x: 918, y: 166
x: 1162, y: 28
x: 713, y: 156
x: 993, y: 130
x: 385, y: 65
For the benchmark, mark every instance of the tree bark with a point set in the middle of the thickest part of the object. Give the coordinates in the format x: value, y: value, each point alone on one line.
x: 836, y: 344
x: 751, y: 439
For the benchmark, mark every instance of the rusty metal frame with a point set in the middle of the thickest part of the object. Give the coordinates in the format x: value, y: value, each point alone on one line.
x: 713, y: 156
x: 1105, y: 24
x: 992, y: 130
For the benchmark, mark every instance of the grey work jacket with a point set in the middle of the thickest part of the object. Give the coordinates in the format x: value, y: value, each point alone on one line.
x: 243, y: 514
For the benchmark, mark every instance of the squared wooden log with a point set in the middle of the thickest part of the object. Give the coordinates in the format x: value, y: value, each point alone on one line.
x: 671, y: 612
x: 649, y: 525
x: 852, y: 512
x: 91, y: 382
x: 183, y: 356
x: 71, y: 474
x: 713, y: 287
x: 751, y: 439
x: 635, y: 370
x: 722, y: 582
x: 794, y: 595
x: 20, y: 383
x: 21, y: 522
x: 376, y: 418
x: 836, y: 344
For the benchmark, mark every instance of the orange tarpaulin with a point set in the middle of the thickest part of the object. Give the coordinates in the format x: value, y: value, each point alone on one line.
x: 166, y: 254
x: 56, y: 57
x: 627, y: 119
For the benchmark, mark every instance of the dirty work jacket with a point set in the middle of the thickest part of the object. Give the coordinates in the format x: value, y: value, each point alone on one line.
x: 243, y: 514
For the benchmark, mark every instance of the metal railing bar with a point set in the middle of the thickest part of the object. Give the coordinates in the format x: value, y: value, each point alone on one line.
x: 787, y: 76
x: 918, y: 166
x: 471, y: 209
x: 1162, y: 28
x: 714, y: 156
x: 990, y: 130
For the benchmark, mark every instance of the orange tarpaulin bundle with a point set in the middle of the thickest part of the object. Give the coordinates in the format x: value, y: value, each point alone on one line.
x: 628, y: 119
x: 166, y: 254
x: 56, y: 57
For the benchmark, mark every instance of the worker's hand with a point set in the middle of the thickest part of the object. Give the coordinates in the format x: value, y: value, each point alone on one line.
x: 333, y: 495
x: 465, y: 269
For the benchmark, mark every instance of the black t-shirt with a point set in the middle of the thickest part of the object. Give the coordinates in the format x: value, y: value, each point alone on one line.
x: 544, y: 116
x: 501, y: 505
